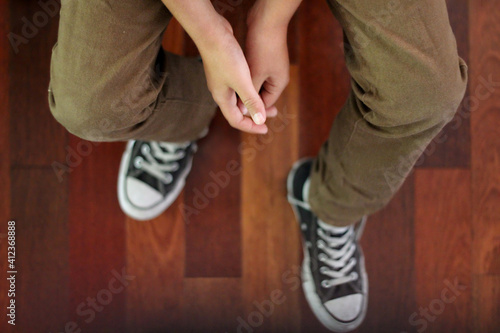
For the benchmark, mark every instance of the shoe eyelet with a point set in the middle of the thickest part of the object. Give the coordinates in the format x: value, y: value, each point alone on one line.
x: 138, y: 162
x: 354, y: 276
x: 168, y: 179
x: 325, y: 284
x: 322, y: 257
x: 145, y: 149
x: 175, y: 166
x: 323, y: 270
x: 303, y: 227
x: 320, y: 244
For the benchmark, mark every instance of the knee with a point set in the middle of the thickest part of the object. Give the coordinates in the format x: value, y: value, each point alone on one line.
x: 418, y: 104
x: 84, y: 116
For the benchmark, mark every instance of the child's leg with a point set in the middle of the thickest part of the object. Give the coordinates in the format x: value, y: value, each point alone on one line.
x: 407, y: 82
x: 111, y: 80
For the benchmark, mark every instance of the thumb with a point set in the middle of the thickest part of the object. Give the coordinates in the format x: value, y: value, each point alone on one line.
x: 252, y: 103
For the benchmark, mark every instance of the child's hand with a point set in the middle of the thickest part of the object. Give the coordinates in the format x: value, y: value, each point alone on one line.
x: 228, y: 77
x: 226, y: 68
x: 267, y: 56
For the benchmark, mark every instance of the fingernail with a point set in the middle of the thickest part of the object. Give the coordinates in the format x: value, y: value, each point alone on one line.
x: 244, y: 110
x: 258, y: 118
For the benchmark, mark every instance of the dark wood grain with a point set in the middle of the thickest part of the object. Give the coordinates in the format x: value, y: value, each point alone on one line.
x: 97, y: 237
x: 155, y: 256
x: 293, y: 39
x: 36, y: 138
x: 485, y: 127
x: 271, y: 240
x: 486, y: 305
x: 4, y: 158
x: 443, y: 240
x: 212, y: 208
x: 213, y: 240
x: 40, y: 208
x: 173, y: 39
x: 388, y: 243
x: 211, y: 304
x: 324, y: 80
x: 486, y: 130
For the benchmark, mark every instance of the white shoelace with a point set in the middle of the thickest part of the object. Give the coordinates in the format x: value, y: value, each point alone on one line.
x: 338, y: 255
x: 169, y: 155
x: 337, y: 262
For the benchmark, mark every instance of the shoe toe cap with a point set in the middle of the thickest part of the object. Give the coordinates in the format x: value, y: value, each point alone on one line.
x: 346, y: 308
x: 140, y: 194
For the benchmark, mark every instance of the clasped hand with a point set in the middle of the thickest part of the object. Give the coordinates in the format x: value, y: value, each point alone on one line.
x: 246, y: 87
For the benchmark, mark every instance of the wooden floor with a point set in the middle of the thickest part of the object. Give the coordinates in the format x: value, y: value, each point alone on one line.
x: 216, y: 268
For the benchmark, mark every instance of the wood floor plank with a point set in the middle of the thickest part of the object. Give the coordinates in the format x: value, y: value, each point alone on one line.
x: 271, y: 243
x: 485, y: 128
x: 293, y: 39
x: 387, y: 243
x: 485, y: 68
x: 211, y: 206
x: 486, y: 303
x: 173, y: 40
x: 4, y: 157
x: 97, y: 238
x: 443, y: 241
x: 211, y: 304
x: 213, y: 239
x: 155, y: 256
x: 451, y: 148
x: 37, y: 139
x: 156, y: 253
x: 39, y: 207
x: 324, y: 80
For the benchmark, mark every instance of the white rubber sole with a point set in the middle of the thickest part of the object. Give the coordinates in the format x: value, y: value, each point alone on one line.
x: 150, y: 213
x: 308, y: 283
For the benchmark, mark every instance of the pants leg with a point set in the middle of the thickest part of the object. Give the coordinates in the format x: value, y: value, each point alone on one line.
x: 112, y: 81
x: 407, y: 83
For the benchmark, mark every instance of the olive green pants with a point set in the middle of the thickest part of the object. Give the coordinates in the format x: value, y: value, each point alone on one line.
x: 111, y: 81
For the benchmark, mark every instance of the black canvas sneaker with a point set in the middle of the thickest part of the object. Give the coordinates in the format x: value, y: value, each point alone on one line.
x: 333, y: 271
x: 152, y: 175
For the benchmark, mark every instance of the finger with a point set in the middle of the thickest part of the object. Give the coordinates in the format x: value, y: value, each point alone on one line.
x: 236, y: 119
x: 251, y: 101
x: 242, y: 107
x: 271, y: 112
x: 270, y: 93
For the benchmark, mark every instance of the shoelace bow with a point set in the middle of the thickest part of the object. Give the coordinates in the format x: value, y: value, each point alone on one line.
x: 337, y: 252
x: 168, y: 157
